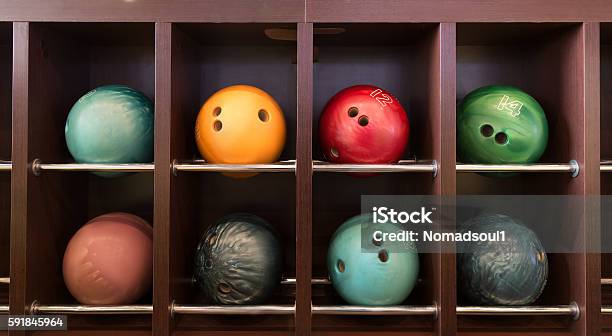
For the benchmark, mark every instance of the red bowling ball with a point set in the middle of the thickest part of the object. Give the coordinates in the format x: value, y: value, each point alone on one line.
x: 363, y: 124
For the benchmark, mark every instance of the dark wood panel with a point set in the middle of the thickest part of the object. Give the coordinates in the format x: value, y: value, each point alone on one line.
x: 19, y: 174
x: 163, y: 159
x: 592, y: 191
x: 446, y: 180
x: 154, y: 10
x: 304, y: 247
x: 456, y: 11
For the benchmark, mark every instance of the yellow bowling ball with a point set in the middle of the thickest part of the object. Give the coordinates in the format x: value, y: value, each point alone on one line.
x: 240, y: 124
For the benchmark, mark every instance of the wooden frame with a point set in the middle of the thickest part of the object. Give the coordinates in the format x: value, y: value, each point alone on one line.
x: 444, y: 48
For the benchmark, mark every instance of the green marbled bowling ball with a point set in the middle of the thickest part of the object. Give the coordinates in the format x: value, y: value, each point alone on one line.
x: 381, y: 275
x: 239, y: 260
x: 499, y: 125
x: 513, y: 272
x: 111, y: 124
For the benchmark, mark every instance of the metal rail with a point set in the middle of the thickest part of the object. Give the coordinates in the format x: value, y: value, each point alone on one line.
x: 569, y: 310
x: 6, y: 166
x: 606, y: 281
x: 4, y: 309
x: 572, y: 167
x: 201, y: 166
x: 37, y: 308
x: 605, y: 166
x: 606, y: 310
x: 374, y: 310
x: 5, y: 281
x: 403, y: 166
x: 38, y: 167
x: 314, y: 281
x: 232, y: 310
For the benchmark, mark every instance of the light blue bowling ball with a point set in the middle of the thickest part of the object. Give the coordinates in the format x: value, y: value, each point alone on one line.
x: 111, y: 124
x: 380, y: 274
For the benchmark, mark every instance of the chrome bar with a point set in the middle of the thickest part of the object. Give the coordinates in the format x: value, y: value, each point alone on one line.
x: 4, y: 309
x: 199, y: 166
x: 404, y: 166
x: 314, y: 281
x: 605, y: 166
x: 37, y: 308
x: 570, y: 310
x: 5, y: 280
x: 606, y: 310
x: 233, y: 310
x: 572, y: 167
x: 374, y: 310
x: 6, y: 166
x: 37, y: 167
x: 606, y: 281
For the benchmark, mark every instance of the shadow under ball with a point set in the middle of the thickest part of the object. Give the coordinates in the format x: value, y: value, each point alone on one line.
x: 111, y: 124
x: 384, y: 274
x: 363, y: 124
x: 110, y: 260
x: 240, y: 124
x: 510, y: 272
x: 500, y: 124
x: 239, y: 260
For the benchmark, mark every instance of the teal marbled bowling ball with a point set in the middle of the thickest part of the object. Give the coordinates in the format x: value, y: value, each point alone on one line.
x: 111, y: 124
x: 500, y: 124
x: 512, y: 272
x: 380, y: 275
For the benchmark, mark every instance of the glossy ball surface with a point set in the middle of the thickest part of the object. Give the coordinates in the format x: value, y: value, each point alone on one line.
x: 363, y: 124
x: 512, y: 272
x: 111, y: 124
x: 240, y: 124
x: 110, y: 260
x: 383, y: 276
x: 500, y: 124
x: 238, y: 260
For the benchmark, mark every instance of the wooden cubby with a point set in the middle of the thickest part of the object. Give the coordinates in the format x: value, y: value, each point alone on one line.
x: 428, y: 53
x: 542, y: 59
x: 395, y: 57
x: 5, y: 154
x: 66, y: 61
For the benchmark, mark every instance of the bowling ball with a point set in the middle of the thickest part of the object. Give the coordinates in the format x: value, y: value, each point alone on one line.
x: 380, y: 275
x: 110, y: 260
x: 111, y: 124
x: 238, y: 260
x: 500, y: 124
x: 510, y: 272
x: 240, y: 124
x: 363, y: 124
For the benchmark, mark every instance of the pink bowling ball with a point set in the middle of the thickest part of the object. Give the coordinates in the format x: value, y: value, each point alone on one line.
x: 110, y: 260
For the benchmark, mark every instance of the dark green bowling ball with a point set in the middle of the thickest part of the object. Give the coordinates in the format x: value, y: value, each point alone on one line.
x: 500, y: 124
x: 238, y: 260
x: 512, y: 272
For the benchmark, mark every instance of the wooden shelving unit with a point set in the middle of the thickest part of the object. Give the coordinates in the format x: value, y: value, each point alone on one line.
x: 429, y: 53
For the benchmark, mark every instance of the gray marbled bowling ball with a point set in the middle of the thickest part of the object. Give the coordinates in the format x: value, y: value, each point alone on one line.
x: 238, y: 260
x: 512, y: 272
